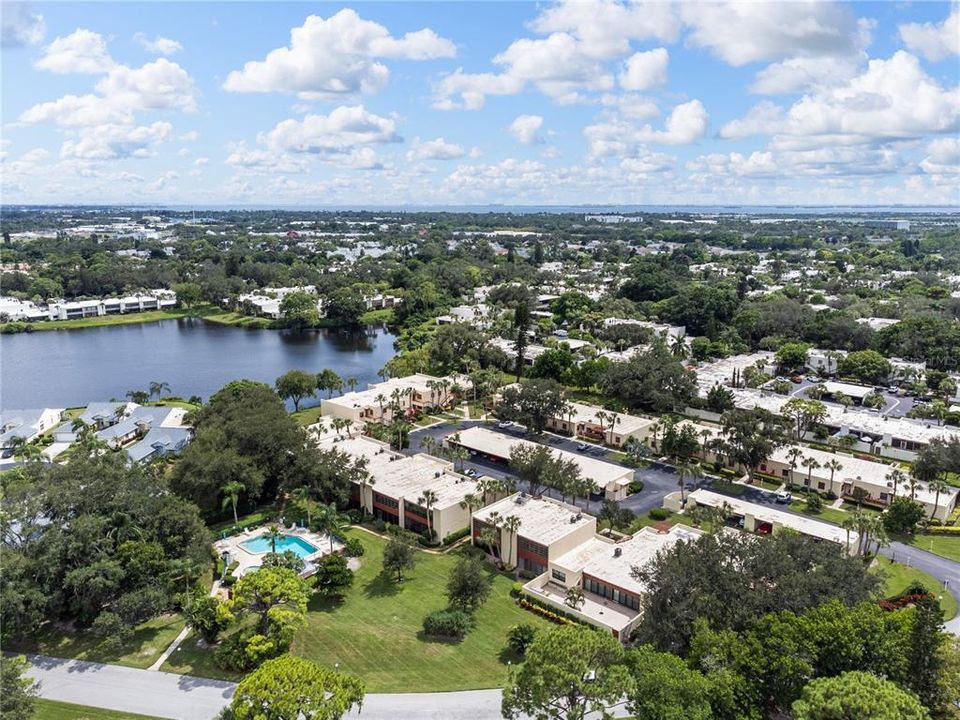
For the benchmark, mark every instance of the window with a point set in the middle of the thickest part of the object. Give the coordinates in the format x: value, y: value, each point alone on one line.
x: 821, y: 486
x: 386, y: 501
x: 611, y: 593
x: 557, y: 575
x: 531, y: 547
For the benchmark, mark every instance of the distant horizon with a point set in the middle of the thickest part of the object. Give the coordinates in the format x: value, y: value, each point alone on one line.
x: 559, y: 208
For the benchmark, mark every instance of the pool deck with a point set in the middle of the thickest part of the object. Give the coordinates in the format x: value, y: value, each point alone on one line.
x: 248, y: 560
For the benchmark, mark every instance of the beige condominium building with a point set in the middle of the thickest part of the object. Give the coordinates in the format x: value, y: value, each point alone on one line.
x: 397, y: 492
x: 543, y: 529
x: 603, y: 570
x: 595, y: 423
x: 414, y: 393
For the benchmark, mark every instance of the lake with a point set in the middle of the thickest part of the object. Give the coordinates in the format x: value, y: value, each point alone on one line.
x: 68, y: 368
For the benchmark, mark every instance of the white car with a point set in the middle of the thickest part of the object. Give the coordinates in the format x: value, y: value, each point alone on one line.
x: 504, y: 424
x: 783, y: 497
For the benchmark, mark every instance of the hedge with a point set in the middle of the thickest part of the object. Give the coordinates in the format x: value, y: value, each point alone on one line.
x: 453, y: 537
x: 943, y: 530
x: 551, y: 615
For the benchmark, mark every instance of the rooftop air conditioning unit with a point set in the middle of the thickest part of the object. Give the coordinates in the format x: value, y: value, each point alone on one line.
x: 617, y: 551
x: 437, y: 474
x: 573, y: 518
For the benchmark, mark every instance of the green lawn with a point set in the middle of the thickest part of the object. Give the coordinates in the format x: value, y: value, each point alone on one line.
x: 307, y: 416
x: 375, y: 632
x: 107, y: 320
x: 54, y: 710
x: 827, y: 514
x: 149, y: 640
x: 947, y: 546
x: 898, y: 577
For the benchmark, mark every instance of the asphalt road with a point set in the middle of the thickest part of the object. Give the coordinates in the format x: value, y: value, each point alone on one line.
x: 182, y: 697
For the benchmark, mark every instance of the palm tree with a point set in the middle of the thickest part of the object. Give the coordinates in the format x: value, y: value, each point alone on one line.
x: 810, y: 464
x: 381, y: 400
x: 833, y: 466
x: 794, y: 454
x: 183, y: 569
x: 428, y: 498
x: 303, y: 498
x: 157, y: 387
x: 849, y: 523
x: 470, y: 503
x: 273, y: 534
x: 231, y: 496
x: 366, y: 480
x: 938, y: 485
x: 685, y: 469
x: 679, y: 346
x: 352, y: 383
x: 329, y: 521
x: 913, y: 484
x: 428, y: 443
x: 896, y: 476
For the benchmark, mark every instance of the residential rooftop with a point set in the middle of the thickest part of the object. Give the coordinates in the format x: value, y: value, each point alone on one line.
x: 542, y: 519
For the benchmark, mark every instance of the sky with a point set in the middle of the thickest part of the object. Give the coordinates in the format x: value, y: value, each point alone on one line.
x: 402, y: 103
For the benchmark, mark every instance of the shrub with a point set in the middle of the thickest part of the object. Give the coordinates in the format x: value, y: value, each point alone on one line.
x: 379, y: 525
x: 519, y: 638
x: 814, y: 502
x: 113, y: 631
x: 659, y: 514
x: 544, y: 612
x: 447, y: 624
x: 636, y: 486
x: 354, y: 548
x: 454, y: 536
x: 516, y: 590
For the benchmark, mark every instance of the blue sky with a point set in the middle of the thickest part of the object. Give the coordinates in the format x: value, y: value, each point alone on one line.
x: 448, y: 102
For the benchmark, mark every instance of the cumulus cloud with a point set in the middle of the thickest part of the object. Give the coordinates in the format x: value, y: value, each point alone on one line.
x: 20, y: 26
x: 891, y: 99
x: 645, y: 70
x: 525, y: 129
x: 569, y: 64
x: 618, y: 137
x: 741, y: 32
x: 335, y: 56
x: 818, y: 162
x: 943, y: 157
x: 124, y: 91
x: 436, y: 149
x: 112, y: 142
x: 82, y: 51
x: 343, y: 129
x: 936, y: 41
x: 632, y: 106
x: 267, y: 161
x: 159, y: 45
x: 606, y: 27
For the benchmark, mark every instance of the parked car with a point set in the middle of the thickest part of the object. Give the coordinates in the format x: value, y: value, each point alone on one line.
x: 893, y: 390
x: 582, y: 446
x: 470, y: 472
x: 797, y: 379
x: 783, y: 497
x: 504, y: 424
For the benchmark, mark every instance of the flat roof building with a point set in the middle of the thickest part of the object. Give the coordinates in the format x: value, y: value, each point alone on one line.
x: 399, y: 482
x: 414, y: 393
x: 603, y: 569
x: 547, y: 529
x: 613, y: 479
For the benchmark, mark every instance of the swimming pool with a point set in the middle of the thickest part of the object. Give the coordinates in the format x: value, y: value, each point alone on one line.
x: 261, y: 544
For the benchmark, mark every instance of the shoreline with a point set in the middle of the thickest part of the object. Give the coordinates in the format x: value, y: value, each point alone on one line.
x: 208, y: 313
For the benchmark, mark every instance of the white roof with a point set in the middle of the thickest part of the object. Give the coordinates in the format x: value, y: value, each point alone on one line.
x: 405, y: 476
x: 763, y: 513
x: 598, y: 557
x: 855, y: 391
x: 587, y: 414
x: 542, y: 520
x: 368, y: 398
x: 499, y: 445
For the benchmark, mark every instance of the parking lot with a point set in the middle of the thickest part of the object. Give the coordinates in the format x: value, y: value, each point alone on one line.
x: 658, y: 480
x: 895, y: 405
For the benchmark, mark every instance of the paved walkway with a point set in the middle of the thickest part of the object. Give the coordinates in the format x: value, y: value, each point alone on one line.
x: 182, y: 697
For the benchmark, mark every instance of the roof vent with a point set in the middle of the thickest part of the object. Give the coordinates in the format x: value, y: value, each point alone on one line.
x: 617, y: 551
x: 573, y: 518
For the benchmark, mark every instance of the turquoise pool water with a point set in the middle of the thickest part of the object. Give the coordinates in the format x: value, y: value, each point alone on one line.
x: 261, y: 544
